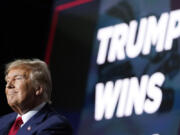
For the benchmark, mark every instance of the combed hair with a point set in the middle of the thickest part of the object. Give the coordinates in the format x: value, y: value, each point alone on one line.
x: 39, y: 74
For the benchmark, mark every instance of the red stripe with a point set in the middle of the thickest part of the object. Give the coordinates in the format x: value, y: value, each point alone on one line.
x: 72, y: 4
x: 51, y: 37
x: 54, y: 24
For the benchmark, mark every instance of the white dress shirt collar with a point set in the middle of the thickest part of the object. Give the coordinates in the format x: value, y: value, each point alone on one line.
x: 31, y: 113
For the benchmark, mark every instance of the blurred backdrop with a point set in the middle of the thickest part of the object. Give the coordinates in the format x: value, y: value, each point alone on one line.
x: 104, y: 81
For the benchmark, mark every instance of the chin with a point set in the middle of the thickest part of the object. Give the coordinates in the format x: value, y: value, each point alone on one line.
x: 11, y: 103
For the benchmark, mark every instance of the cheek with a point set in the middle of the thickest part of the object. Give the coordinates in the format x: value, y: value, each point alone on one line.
x: 19, y: 85
x: 26, y: 91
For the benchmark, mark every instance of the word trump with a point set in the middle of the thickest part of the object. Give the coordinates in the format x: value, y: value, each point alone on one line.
x: 126, y: 94
x: 123, y: 40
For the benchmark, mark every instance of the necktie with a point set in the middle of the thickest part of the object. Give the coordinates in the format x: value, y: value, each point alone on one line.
x: 17, y: 124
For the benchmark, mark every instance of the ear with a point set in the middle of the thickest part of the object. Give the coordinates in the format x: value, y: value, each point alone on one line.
x: 39, y: 91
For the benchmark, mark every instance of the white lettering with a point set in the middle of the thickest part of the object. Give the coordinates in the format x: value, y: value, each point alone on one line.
x: 123, y: 98
x: 119, y: 38
x: 104, y: 36
x: 173, y: 30
x: 127, y: 94
x: 106, y: 99
x: 154, y: 93
x: 133, y: 50
x: 137, y: 95
x: 124, y: 44
x: 155, y: 33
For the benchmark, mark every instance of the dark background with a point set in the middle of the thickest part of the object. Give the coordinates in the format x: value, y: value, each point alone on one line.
x: 25, y: 30
x: 24, y: 34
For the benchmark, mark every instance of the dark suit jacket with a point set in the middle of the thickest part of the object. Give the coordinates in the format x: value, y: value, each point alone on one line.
x: 45, y: 122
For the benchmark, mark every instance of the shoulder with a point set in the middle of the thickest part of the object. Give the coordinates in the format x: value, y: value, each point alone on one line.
x: 6, y: 121
x: 54, y: 122
x: 56, y: 117
x: 8, y: 117
x: 53, y: 115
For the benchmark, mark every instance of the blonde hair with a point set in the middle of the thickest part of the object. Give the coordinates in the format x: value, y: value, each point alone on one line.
x: 39, y: 74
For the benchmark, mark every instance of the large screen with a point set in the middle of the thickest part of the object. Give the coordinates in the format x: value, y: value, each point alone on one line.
x: 133, y: 82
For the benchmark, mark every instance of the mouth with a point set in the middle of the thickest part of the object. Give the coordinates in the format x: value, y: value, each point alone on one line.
x: 12, y: 92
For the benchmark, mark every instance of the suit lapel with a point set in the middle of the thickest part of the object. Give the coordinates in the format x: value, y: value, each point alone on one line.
x: 7, y: 123
x: 31, y: 125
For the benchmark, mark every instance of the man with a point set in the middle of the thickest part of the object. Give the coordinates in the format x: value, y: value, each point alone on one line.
x: 28, y: 92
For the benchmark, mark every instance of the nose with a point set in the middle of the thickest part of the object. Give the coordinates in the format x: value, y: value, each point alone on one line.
x: 10, y: 85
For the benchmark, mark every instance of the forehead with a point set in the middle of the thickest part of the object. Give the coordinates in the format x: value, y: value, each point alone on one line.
x: 17, y: 71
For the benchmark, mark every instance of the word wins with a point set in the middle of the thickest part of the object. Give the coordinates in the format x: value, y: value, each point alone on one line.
x: 126, y: 94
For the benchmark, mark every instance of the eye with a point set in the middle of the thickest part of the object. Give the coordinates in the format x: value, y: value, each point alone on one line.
x: 18, y: 77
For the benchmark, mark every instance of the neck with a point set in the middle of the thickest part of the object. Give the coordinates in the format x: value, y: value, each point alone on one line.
x: 22, y: 109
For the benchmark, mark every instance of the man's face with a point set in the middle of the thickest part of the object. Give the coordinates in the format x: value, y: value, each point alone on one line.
x: 19, y: 91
